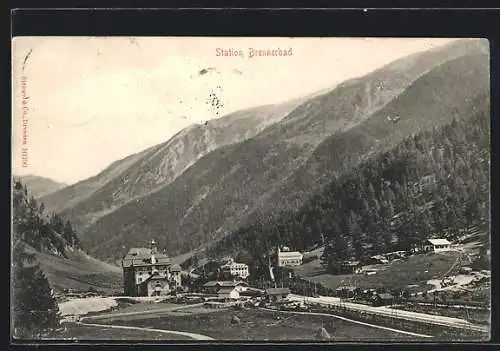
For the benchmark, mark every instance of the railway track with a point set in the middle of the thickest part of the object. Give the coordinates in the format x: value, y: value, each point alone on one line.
x: 394, y: 313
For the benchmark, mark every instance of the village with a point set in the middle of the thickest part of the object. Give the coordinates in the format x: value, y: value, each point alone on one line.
x: 154, y: 287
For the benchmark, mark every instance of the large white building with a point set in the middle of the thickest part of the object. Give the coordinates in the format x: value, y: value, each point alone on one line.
x: 235, y: 269
x: 289, y: 258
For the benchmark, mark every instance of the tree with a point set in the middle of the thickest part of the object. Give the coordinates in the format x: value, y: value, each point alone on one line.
x: 68, y: 233
x: 334, y: 254
x: 34, y: 307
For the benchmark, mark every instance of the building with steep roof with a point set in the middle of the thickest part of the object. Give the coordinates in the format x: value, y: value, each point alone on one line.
x: 277, y: 294
x: 146, y: 272
x: 213, y: 287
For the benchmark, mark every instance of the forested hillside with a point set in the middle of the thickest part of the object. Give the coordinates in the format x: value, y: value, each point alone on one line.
x: 34, y: 311
x: 276, y: 171
x: 433, y: 182
x: 45, y: 233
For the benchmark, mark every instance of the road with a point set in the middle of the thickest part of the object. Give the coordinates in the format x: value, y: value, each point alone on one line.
x: 392, y: 312
x: 354, y: 321
x: 187, y: 334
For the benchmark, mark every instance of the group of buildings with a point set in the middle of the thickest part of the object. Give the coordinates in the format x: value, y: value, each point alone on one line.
x: 147, y: 272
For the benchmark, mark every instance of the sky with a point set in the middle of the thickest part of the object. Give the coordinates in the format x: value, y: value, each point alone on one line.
x: 81, y: 103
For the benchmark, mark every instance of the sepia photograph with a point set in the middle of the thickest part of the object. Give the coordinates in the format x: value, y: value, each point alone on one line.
x: 250, y: 189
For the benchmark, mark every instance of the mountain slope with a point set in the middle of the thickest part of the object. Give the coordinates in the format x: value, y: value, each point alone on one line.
x: 433, y: 99
x: 40, y: 186
x: 144, y: 172
x: 80, y: 272
x: 247, y: 182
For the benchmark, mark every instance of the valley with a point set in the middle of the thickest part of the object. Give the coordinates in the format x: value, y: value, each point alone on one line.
x: 359, y: 212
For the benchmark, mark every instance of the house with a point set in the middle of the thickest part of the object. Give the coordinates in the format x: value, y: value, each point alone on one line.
x: 235, y: 269
x: 437, y: 245
x: 229, y: 293
x: 289, y: 258
x: 377, y: 259
x: 214, y: 287
x: 277, y: 294
x: 350, y: 267
x: 146, y: 272
x: 384, y: 299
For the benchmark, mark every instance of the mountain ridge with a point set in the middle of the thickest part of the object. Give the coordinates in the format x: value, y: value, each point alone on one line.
x: 213, y: 196
x: 40, y: 186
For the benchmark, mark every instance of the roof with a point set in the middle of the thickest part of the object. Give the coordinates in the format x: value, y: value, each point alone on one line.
x: 277, y: 291
x: 226, y: 290
x: 385, y: 296
x: 209, y: 284
x: 141, y: 256
x: 290, y: 254
x: 152, y: 277
x: 352, y: 263
x: 439, y: 241
x: 223, y: 283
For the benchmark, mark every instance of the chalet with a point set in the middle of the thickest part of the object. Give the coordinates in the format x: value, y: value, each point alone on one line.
x: 437, y: 245
x: 377, y: 259
x: 214, y: 287
x: 277, y: 294
x: 383, y: 299
x: 350, y: 267
x: 289, y: 258
x: 149, y: 273
x: 229, y: 293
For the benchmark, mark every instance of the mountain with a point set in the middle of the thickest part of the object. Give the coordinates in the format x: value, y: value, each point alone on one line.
x: 53, y: 244
x: 435, y: 181
x: 40, y: 186
x: 142, y: 173
x: 279, y: 168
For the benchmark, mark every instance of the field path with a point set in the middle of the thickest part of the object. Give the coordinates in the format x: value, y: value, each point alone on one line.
x: 353, y: 321
x: 189, y: 335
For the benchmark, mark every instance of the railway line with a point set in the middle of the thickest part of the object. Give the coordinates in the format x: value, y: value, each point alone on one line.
x: 393, y: 313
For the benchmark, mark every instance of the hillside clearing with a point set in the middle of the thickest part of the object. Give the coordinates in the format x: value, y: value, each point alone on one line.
x: 415, y: 270
x: 80, y: 272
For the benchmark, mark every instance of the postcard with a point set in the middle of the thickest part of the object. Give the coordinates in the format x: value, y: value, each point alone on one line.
x: 250, y: 189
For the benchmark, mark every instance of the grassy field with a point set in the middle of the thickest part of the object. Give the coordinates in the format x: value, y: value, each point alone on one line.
x: 85, y: 332
x: 80, y: 272
x: 260, y: 325
x: 416, y: 270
